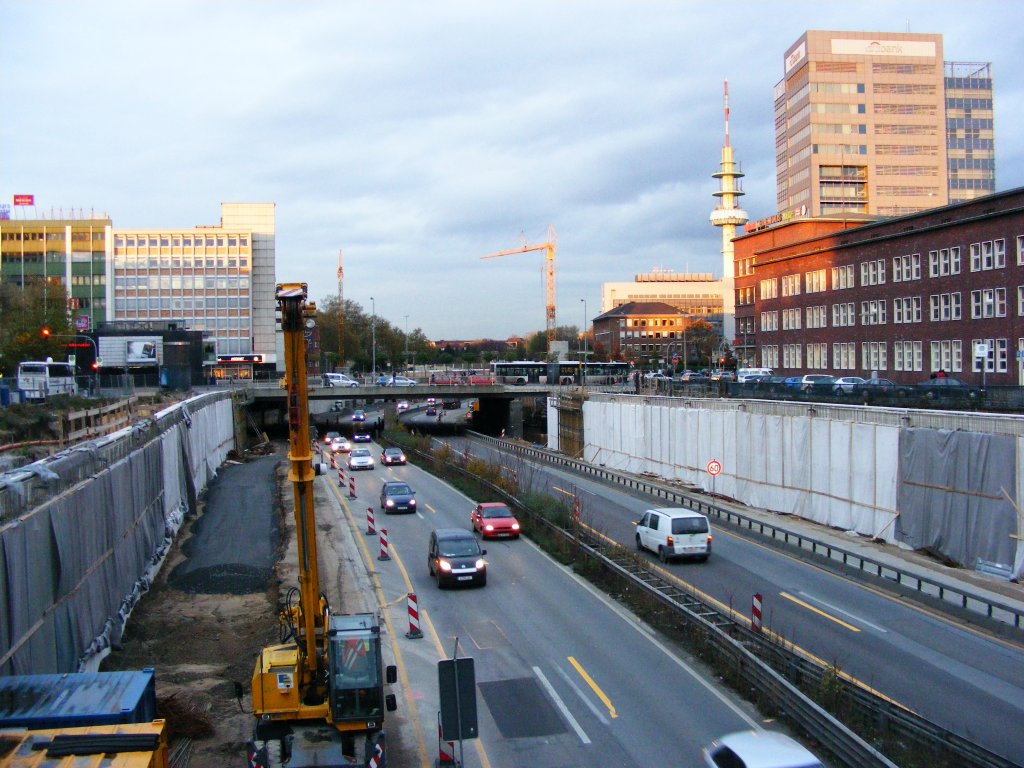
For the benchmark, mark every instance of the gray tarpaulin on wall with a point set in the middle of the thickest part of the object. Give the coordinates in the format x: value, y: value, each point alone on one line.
x: 73, y: 567
x: 951, y: 495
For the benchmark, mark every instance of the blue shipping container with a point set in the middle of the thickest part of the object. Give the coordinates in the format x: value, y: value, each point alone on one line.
x: 66, y: 701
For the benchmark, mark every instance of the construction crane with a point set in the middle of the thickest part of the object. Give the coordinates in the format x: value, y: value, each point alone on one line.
x: 323, y: 684
x: 549, y: 275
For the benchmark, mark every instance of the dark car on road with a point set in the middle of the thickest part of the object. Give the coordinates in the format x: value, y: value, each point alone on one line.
x: 947, y: 388
x: 390, y: 456
x: 455, y: 557
x: 881, y: 387
x: 397, y: 497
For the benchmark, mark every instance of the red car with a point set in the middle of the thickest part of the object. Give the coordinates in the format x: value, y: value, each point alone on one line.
x: 493, y: 520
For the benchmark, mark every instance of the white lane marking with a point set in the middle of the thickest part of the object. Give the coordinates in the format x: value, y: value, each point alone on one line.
x: 847, y: 614
x: 579, y: 692
x: 561, y: 706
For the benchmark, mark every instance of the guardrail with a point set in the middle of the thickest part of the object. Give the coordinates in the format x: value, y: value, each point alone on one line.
x: 767, y: 667
x: 928, y: 587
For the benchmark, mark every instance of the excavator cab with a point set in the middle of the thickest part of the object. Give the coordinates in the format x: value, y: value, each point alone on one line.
x: 355, y: 667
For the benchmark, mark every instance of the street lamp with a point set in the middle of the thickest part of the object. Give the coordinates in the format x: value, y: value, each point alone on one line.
x: 373, y: 341
x: 407, y: 341
x: 586, y: 322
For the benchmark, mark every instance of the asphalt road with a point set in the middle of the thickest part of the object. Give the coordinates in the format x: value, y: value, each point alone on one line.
x: 954, y: 675
x: 565, y: 676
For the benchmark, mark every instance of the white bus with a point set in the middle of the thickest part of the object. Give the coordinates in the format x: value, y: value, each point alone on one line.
x: 40, y: 380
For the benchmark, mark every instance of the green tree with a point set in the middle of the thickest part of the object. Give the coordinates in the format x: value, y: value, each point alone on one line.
x: 23, y: 315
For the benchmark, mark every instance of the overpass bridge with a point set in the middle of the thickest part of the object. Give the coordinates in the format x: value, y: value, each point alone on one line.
x: 501, y: 407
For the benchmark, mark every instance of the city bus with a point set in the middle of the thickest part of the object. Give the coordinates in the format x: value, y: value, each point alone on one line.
x: 39, y: 380
x: 564, y: 372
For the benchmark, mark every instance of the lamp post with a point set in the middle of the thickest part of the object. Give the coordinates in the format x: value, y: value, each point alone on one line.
x: 407, y: 341
x: 373, y: 341
x: 586, y: 322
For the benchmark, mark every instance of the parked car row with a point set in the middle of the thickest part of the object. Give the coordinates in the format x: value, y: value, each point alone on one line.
x: 940, y: 387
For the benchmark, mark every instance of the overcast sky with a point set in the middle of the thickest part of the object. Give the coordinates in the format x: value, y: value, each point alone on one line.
x: 419, y: 136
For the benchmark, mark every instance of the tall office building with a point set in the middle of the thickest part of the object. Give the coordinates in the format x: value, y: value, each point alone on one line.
x: 218, y: 279
x: 66, y: 251
x: 970, y: 130
x: 878, y: 123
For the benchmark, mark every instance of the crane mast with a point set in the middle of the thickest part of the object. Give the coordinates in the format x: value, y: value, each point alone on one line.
x: 328, y: 668
x: 549, y: 276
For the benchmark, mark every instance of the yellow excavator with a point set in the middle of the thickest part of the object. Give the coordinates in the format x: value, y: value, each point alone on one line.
x: 322, y: 687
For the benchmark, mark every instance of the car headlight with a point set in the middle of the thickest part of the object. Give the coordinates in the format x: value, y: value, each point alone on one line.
x: 389, y: 503
x: 412, y: 502
x: 480, y: 564
x: 489, y: 527
x: 515, y: 526
x: 444, y: 565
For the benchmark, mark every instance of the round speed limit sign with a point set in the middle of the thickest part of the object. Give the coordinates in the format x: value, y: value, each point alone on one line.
x: 714, y: 467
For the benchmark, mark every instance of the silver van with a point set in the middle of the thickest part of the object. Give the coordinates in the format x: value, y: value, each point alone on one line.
x: 339, y: 380
x: 673, y: 532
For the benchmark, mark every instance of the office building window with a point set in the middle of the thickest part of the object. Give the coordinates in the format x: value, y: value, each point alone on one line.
x: 906, y: 309
x: 990, y: 254
x: 769, y: 321
x: 814, y: 282
x: 1020, y: 250
x: 988, y: 302
x: 947, y: 356
x: 817, y: 356
x: 944, y: 306
x: 770, y: 288
x: 1020, y: 300
x: 844, y: 355
x: 844, y: 314
x: 906, y: 267
x: 873, y: 356
x: 817, y: 317
x: 872, y: 272
x: 792, y: 356
x: 791, y: 319
x: 907, y: 356
x: 842, y: 278
x: 770, y: 356
x: 873, y: 312
x: 994, y: 359
x: 791, y: 285
x: 944, y: 262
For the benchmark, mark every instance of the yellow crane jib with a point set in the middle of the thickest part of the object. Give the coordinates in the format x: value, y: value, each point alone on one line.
x: 549, y: 275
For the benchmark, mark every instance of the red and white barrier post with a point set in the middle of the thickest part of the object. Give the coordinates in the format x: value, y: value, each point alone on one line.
x: 341, y: 477
x: 755, y: 614
x: 383, y: 545
x: 351, y: 486
x: 445, y: 749
x: 414, y: 632
x: 377, y: 760
x: 370, y: 530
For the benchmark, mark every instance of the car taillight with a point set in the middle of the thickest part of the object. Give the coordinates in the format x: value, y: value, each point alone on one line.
x: 709, y: 538
x: 668, y: 540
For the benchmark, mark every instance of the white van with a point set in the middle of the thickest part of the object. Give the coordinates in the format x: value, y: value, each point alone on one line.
x: 743, y: 373
x: 673, y: 532
x: 339, y: 380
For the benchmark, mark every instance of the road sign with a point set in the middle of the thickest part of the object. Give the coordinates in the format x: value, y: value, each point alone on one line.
x: 714, y: 467
x: 456, y: 680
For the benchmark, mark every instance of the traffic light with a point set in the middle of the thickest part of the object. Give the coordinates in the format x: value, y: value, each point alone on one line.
x: 46, y: 332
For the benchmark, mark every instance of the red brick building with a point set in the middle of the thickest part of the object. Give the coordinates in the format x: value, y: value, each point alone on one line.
x: 904, y: 297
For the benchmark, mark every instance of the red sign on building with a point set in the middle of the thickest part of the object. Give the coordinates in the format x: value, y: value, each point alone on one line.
x: 24, y: 199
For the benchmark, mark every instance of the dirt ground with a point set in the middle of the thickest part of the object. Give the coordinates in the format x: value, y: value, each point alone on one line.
x: 200, y: 645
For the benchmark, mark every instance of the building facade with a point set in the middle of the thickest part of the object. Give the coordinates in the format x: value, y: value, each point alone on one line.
x: 878, y: 123
x: 697, y: 294
x: 72, y: 253
x: 901, y: 298
x: 215, y: 279
x: 219, y: 280
x: 642, y: 331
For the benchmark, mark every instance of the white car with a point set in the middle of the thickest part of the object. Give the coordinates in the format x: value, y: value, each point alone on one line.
x: 340, y: 445
x: 402, y: 405
x: 339, y: 380
x: 758, y: 749
x: 401, y: 381
x: 360, y: 458
x: 846, y: 385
